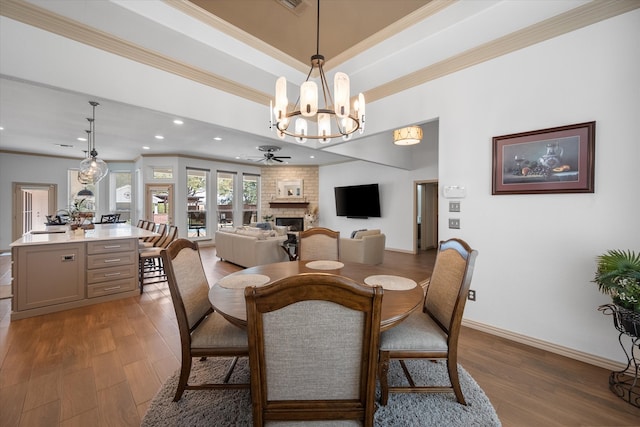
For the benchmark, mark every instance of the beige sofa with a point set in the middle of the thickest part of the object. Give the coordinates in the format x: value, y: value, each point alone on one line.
x: 367, y: 247
x: 248, y: 248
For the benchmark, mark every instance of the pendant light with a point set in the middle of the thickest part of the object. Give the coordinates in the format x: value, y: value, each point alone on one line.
x: 93, y: 169
x: 337, y: 112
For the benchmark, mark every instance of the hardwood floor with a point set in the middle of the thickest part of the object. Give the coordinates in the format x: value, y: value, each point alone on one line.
x: 101, y: 365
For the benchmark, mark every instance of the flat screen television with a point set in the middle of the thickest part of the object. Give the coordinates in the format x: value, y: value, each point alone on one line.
x: 358, y: 201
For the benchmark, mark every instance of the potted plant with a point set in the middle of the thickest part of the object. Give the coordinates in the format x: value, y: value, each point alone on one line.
x: 618, y: 275
x: 77, y: 214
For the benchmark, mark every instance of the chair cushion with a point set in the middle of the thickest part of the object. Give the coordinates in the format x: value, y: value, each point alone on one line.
x: 216, y: 332
x: 418, y: 332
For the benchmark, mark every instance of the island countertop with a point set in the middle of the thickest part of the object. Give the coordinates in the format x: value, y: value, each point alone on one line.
x: 59, y: 234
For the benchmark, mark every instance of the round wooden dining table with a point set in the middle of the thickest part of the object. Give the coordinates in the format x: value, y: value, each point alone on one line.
x: 401, y: 295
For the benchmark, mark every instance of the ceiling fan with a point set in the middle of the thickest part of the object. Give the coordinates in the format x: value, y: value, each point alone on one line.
x: 269, y: 157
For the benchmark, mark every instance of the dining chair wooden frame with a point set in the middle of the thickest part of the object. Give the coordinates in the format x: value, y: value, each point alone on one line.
x: 319, y: 243
x: 203, y: 332
x: 433, y: 333
x: 313, y: 343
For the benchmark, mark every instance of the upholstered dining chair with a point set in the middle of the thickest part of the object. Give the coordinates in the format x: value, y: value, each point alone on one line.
x: 203, y: 332
x: 433, y: 333
x: 313, y: 342
x: 319, y: 243
x: 149, y: 242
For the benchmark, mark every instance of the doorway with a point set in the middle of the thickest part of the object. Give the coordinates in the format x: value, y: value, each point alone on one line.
x: 32, y: 203
x: 159, y: 203
x: 426, y: 215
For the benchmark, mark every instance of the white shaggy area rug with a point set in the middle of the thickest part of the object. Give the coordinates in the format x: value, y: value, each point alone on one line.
x: 223, y: 408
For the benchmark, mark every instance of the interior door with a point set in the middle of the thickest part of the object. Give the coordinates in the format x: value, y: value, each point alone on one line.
x: 32, y: 202
x: 159, y: 203
x: 426, y: 220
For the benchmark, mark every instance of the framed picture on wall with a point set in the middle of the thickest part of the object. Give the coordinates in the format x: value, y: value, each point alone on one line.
x: 289, y: 189
x: 554, y: 160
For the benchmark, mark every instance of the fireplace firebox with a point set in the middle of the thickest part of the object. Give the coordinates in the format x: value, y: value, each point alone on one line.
x: 294, y: 224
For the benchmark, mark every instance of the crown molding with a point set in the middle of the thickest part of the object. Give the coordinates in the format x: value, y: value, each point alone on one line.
x: 41, y: 18
x: 572, y: 20
x: 588, y: 14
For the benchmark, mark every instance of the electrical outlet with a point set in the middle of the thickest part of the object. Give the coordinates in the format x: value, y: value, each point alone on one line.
x: 454, y: 222
x: 454, y: 206
x: 472, y: 295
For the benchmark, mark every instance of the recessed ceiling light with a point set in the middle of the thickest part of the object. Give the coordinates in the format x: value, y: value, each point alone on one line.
x: 217, y: 138
x: 81, y: 138
x: 1, y: 128
x: 178, y: 122
x: 312, y: 157
x: 159, y: 137
x: 144, y: 147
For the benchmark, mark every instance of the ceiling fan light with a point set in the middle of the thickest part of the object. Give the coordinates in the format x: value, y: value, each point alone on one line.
x: 409, y: 135
x: 308, y: 99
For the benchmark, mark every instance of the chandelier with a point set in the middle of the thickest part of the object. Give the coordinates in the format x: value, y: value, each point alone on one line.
x: 346, y: 118
x: 92, y: 169
x: 407, y: 136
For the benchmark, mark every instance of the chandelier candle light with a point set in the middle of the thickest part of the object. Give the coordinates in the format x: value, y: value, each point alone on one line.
x: 338, y: 109
x: 92, y: 169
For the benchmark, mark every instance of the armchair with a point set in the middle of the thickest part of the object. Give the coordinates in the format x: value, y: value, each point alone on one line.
x: 367, y: 247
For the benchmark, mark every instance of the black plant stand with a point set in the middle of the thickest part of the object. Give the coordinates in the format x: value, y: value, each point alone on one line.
x: 625, y: 383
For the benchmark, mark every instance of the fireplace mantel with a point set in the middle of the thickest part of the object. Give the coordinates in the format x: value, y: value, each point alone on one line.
x: 288, y: 205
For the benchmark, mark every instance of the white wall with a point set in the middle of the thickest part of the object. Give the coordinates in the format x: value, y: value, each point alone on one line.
x: 45, y: 170
x: 536, y: 252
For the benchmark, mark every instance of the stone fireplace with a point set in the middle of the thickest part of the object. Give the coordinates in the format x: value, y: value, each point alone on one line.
x: 294, y: 224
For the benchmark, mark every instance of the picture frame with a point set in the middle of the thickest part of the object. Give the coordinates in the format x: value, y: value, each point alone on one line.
x: 289, y: 189
x: 554, y: 160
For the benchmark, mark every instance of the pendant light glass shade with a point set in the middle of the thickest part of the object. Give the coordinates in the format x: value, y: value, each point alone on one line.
x: 324, y: 127
x: 341, y: 94
x: 92, y: 169
x: 301, y: 130
x: 308, y: 99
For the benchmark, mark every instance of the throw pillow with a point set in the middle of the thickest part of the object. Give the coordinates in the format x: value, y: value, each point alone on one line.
x: 361, y: 234
x: 264, y: 225
x: 354, y: 232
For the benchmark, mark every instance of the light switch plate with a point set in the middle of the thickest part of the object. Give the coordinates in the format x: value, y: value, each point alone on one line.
x: 454, y: 223
x: 454, y: 206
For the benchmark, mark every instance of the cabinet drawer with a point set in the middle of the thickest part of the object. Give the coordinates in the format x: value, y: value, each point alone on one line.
x: 109, y: 246
x: 111, y: 260
x: 111, y: 273
x: 113, y: 287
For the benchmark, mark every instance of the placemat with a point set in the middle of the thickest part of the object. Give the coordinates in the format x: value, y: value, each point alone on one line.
x: 392, y: 283
x: 324, y: 265
x: 240, y: 281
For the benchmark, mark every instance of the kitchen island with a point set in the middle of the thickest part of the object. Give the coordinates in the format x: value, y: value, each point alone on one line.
x: 58, y: 270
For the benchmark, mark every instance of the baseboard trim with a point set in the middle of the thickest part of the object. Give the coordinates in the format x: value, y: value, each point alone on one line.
x: 547, y: 346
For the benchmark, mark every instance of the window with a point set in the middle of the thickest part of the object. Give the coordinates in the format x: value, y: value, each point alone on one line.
x: 197, y: 202
x: 120, y: 194
x: 162, y: 172
x: 225, y: 186
x: 250, y: 198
